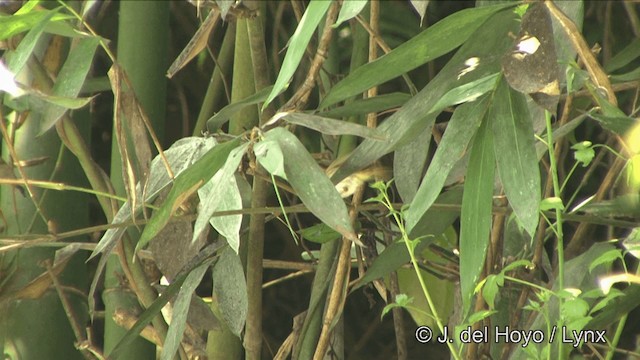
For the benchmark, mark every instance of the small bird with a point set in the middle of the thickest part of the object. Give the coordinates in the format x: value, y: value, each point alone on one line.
x: 347, y: 186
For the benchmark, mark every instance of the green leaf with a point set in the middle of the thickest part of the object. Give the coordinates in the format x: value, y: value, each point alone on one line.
x: 329, y: 126
x: 442, y: 37
x: 63, y: 102
x: 418, y: 113
x: 475, y: 217
x: 311, y: 183
x: 230, y: 290
x: 71, y: 78
x: 221, y: 193
x: 369, y: 105
x: 464, y: 123
x: 408, y: 165
x: 297, y: 45
x: 516, y: 155
x: 491, y: 289
x: 607, y: 258
x: 516, y: 264
x: 584, y: 152
x: 349, y: 10
x: 319, y: 233
x: 269, y: 155
x: 551, y: 203
x: 196, y: 175
x: 624, y: 57
x: 222, y: 116
x: 11, y: 25
x: 574, y: 309
x: 181, y: 311
x: 467, y: 92
x: 19, y: 57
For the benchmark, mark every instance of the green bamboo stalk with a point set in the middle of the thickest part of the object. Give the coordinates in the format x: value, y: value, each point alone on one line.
x: 255, y: 252
x: 142, y: 52
x: 216, y: 94
x: 223, y: 344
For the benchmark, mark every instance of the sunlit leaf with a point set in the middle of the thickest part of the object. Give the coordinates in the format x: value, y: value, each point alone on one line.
x: 18, y: 58
x: 15, y: 24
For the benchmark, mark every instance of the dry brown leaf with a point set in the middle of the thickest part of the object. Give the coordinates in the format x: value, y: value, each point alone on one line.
x: 197, y: 43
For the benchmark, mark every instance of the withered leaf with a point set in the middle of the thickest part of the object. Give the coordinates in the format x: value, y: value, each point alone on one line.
x: 532, y: 65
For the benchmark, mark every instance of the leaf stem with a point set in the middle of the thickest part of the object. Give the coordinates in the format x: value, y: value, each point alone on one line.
x: 553, y: 170
x: 414, y: 261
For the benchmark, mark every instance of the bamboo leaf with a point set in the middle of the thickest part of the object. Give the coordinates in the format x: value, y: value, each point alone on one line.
x: 19, y: 57
x: 61, y: 101
x: 442, y: 37
x: 311, y: 184
x: 222, y: 116
x: 269, y: 155
x: 15, y: 24
x: 230, y: 289
x: 130, y: 133
x: 463, y: 125
x: 370, y: 105
x: 516, y: 155
x: 475, y: 217
x: 349, y: 10
x: 418, y: 113
x: 180, y: 156
x: 330, y: 126
x: 297, y: 45
x: 181, y: 311
x: 71, y: 78
x: 408, y: 165
x: 200, y: 172
x: 219, y: 194
x: 197, y: 43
